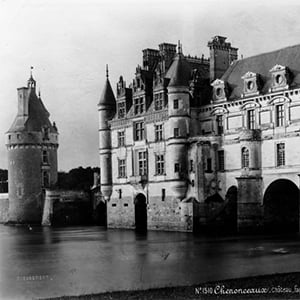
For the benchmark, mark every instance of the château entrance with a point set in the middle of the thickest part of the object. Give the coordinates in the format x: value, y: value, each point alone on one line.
x: 140, y: 212
x: 281, y: 207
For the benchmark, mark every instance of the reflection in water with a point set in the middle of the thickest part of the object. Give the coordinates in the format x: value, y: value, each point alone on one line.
x: 49, y: 262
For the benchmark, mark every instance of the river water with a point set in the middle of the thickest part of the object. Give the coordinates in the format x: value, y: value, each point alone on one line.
x: 42, y: 262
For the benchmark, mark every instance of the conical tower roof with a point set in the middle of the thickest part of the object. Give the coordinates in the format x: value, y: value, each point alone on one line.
x: 107, y: 97
x: 179, y: 71
x: 37, y: 117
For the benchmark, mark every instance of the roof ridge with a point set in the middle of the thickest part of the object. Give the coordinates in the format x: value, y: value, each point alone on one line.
x: 267, y: 53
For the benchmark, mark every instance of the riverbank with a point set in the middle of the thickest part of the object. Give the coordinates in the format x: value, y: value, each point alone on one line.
x: 275, y: 286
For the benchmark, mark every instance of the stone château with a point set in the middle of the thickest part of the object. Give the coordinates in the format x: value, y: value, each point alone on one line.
x: 195, y: 143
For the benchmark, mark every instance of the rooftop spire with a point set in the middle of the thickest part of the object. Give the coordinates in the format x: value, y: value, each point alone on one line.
x: 31, y: 82
x: 107, y: 71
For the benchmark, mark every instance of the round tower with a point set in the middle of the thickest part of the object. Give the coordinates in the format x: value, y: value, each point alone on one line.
x: 32, y: 143
x: 178, y: 124
x: 106, y: 109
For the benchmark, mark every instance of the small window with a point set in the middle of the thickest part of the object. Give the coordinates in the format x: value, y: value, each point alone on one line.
x: 46, y: 179
x: 280, y: 154
x: 120, y: 193
x: 158, y: 98
x: 46, y: 133
x: 163, y: 194
x: 139, y: 106
x: 175, y: 104
x: 219, y: 121
x: 245, y: 157
x: 114, y: 205
x: 176, y: 132
x: 208, y: 165
x: 221, y: 166
x: 121, y: 110
x: 279, y: 115
x: 176, y: 167
x: 125, y: 204
x: 45, y: 157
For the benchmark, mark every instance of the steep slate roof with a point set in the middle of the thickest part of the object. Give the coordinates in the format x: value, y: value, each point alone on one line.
x: 261, y: 64
x: 107, y: 96
x: 38, y: 116
x: 179, y: 71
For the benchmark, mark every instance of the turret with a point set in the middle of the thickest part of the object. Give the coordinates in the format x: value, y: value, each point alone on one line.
x: 106, y: 109
x: 32, y: 143
x: 221, y: 56
x: 178, y: 122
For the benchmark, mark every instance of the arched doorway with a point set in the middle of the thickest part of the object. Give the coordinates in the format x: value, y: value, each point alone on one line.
x: 100, y: 214
x: 140, y: 211
x: 231, y: 209
x: 281, y: 207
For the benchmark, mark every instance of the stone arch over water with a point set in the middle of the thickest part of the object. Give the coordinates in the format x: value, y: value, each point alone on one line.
x: 281, y: 206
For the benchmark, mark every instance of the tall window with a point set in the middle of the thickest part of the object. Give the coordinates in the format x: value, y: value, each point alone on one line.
x: 122, y: 168
x: 45, y: 157
x: 46, y: 179
x: 245, y: 157
x: 160, y: 164
x: 279, y: 115
x: 220, y: 128
x: 142, y: 162
x: 175, y: 104
x: 139, y: 105
x: 121, y: 138
x: 250, y: 119
x: 159, y: 102
x: 139, y: 129
x: 159, y: 132
x: 280, y: 154
x: 221, y: 166
x: 121, y: 110
x: 176, y: 132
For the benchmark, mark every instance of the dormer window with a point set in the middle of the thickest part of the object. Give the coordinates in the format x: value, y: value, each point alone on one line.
x: 121, y: 110
x: 280, y: 78
x: 46, y: 133
x: 251, y: 84
x: 139, y: 105
x: 219, y: 91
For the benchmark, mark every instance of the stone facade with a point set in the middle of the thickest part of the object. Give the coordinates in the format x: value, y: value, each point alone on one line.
x: 32, y: 143
x: 193, y: 142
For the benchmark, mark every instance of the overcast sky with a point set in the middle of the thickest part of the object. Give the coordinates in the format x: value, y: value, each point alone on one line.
x: 69, y: 43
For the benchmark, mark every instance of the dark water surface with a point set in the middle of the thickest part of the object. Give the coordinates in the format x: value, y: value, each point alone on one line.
x: 48, y: 262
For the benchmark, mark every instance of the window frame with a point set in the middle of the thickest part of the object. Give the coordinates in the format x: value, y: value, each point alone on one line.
x: 139, y: 131
x: 142, y: 163
x: 280, y: 154
x: 251, y: 119
x: 279, y: 115
x: 121, y: 109
x: 122, y: 168
x: 139, y: 105
x: 159, y: 164
x: 158, y: 132
x: 121, y: 138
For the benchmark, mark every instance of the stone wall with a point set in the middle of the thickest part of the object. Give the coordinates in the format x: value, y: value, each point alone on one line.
x: 3, y: 208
